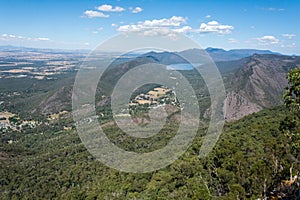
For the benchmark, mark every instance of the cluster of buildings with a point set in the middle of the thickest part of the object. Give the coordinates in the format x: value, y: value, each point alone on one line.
x: 9, y: 121
x: 154, y: 97
x: 157, y: 96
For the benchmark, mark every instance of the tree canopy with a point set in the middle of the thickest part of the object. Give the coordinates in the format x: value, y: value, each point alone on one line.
x: 292, y: 92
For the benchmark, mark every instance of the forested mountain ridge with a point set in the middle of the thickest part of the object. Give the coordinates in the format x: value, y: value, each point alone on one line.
x: 42, y: 156
x: 252, y: 83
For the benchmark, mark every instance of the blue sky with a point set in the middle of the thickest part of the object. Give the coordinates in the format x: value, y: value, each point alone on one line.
x: 81, y: 24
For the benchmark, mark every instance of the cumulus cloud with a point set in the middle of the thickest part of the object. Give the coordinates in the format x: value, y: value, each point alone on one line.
x: 214, y: 27
x: 110, y: 8
x: 137, y: 10
x: 183, y: 29
x: 173, y: 21
x: 207, y: 16
x: 267, y: 40
x: 94, y: 14
x: 165, y: 26
x: 172, y: 26
x: 289, y: 36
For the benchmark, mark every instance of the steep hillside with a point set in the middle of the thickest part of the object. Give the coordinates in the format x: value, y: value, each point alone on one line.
x: 251, y: 158
x: 258, y: 84
x: 57, y: 101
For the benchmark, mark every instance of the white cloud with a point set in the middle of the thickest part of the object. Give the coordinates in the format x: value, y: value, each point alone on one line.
x: 137, y: 10
x: 11, y: 37
x: 289, y: 36
x: 172, y: 26
x: 267, y: 40
x: 7, y: 36
x: 173, y: 21
x: 113, y: 25
x: 42, y: 39
x: 162, y: 31
x: 132, y: 28
x: 274, y: 9
x: 110, y: 8
x: 233, y: 40
x: 183, y: 29
x: 93, y: 14
x: 165, y: 27
x: 214, y: 27
x: 207, y: 16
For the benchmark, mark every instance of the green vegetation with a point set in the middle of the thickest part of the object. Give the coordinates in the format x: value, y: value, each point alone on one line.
x: 292, y: 93
x: 27, y: 97
x: 291, y: 124
x: 255, y: 157
x: 250, y: 159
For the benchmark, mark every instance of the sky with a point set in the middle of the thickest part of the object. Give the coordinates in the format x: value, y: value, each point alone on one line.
x: 84, y: 24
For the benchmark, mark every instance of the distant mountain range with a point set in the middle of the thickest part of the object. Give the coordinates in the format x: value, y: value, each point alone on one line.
x: 9, y: 48
x: 257, y: 80
x: 254, y: 79
x: 234, y: 54
x: 217, y: 54
x: 197, y: 55
x: 252, y: 83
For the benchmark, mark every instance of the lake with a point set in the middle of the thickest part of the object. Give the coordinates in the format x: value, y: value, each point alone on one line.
x: 182, y: 66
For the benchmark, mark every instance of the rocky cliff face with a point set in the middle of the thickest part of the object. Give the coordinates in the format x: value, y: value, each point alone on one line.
x: 258, y: 84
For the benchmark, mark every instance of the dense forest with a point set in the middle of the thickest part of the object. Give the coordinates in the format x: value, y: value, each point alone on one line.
x: 250, y: 160
x: 255, y: 157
